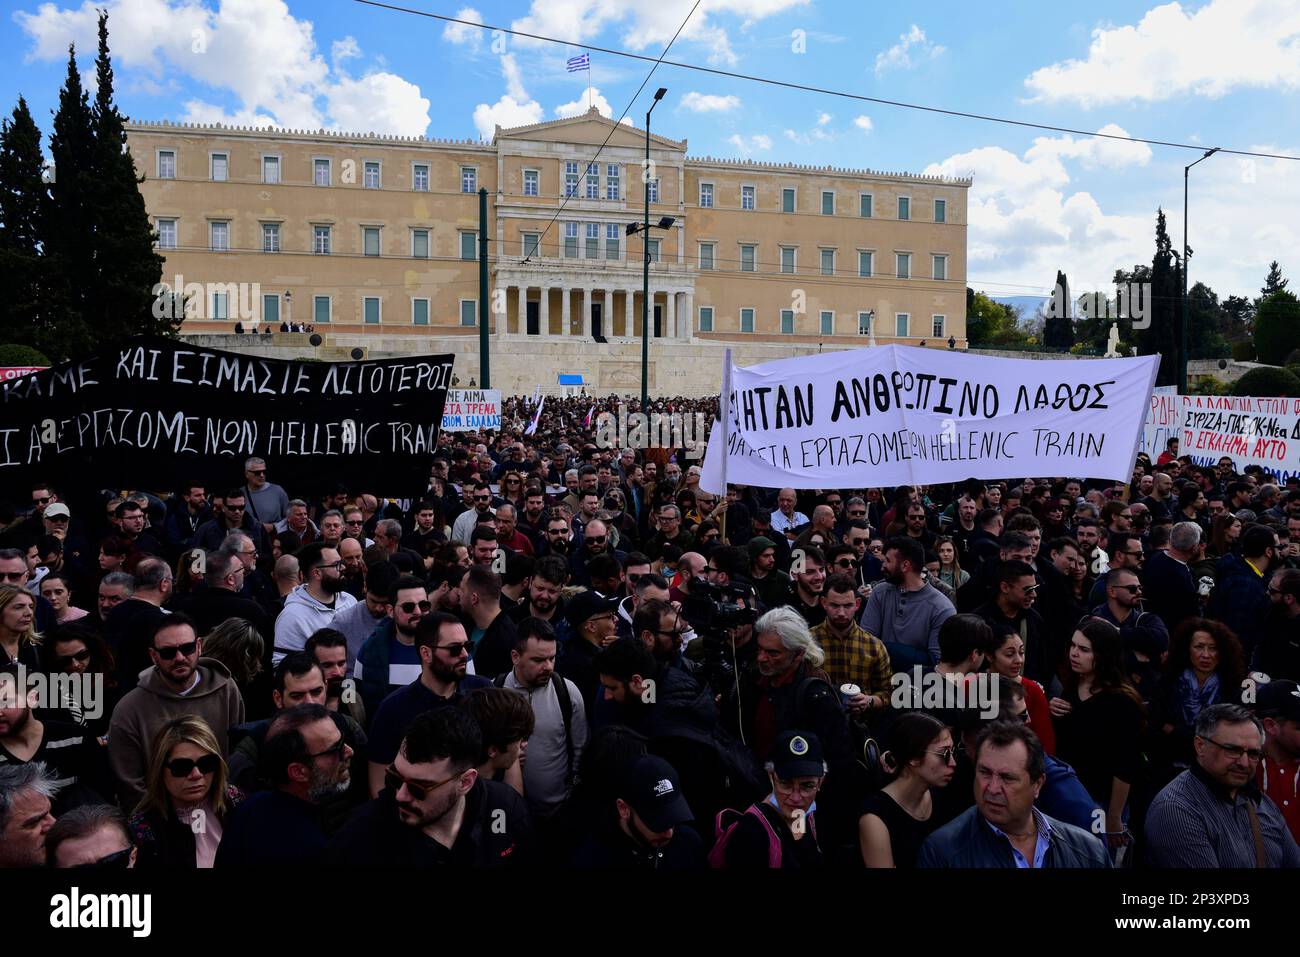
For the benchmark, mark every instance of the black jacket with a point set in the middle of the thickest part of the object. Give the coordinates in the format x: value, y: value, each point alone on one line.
x: 496, y: 832
x: 272, y: 829
x: 1240, y: 600
x: 968, y: 841
x: 608, y: 848
x: 492, y: 656
x: 1169, y: 590
x: 1278, y: 653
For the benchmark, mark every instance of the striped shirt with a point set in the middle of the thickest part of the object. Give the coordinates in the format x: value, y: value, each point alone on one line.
x: 65, y: 748
x: 1194, y: 823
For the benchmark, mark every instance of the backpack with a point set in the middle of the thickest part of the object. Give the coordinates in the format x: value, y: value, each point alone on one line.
x: 866, y: 749
x: 566, y: 711
x: 729, y: 819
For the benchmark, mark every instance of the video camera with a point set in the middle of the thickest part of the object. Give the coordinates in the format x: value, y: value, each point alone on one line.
x: 716, y: 608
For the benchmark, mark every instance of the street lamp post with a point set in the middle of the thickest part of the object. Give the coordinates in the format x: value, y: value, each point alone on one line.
x: 1182, y: 326
x: 645, y: 270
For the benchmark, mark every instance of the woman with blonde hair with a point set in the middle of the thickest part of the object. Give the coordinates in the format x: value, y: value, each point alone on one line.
x: 20, y: 642
x: 178, y: 823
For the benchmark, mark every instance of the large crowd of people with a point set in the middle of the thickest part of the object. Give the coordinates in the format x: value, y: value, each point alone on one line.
x: 556, y: 654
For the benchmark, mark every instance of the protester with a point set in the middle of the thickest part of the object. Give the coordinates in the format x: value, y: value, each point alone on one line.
x: 897, y: 819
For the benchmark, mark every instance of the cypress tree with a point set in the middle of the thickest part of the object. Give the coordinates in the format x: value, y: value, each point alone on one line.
x: 22, y: 205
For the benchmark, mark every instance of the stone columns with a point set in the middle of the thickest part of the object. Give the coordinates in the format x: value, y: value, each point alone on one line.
x: 544, y: 313
x: 688, y: 309
x: 564, y: 311
x: 670, y: 315
x: 629, y: 304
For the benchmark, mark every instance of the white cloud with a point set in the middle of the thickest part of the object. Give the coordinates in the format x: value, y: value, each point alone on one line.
x: 514, y: 79
x: 1027, y: 221
x: 709, y: 102
x: 1095, y: 151
x: 911, y: 49
x: 463, y: 34
x: 821, y: 131
x: 267, y: 60
x: 585, y: 102
x: 863, y: 123
x: 515, y: 108
x: 747, y: 146
x: 823, y: 119
x: 1174, y: 53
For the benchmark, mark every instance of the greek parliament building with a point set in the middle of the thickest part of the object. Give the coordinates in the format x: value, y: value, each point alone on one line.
x: 373, y: 241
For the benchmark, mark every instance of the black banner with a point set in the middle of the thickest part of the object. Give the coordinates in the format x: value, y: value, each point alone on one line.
x: 151, y: 413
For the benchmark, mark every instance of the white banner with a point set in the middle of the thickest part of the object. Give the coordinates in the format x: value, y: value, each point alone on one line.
x: 1162, y: 421
x: 901, y: 415
x: 1248, y: 430
x: 472, y: 410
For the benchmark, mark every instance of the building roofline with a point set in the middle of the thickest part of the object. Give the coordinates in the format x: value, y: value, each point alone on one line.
x: 592, y: 114
x: 251, y: 132
x: 765, y: 167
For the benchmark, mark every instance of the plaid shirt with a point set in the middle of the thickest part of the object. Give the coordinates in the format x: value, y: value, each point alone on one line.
x: 859, y: 659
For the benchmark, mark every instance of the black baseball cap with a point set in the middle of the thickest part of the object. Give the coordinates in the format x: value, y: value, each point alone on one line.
x: 586, y: 605
x: 652, y: 789
x: 798, y: 754
x: 1279, y: 699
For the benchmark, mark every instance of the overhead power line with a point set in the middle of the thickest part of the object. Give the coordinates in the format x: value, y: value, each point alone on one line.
x: 824, y: 91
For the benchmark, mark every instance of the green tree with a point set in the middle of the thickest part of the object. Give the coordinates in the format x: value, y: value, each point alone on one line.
x: 22, y: 201
x: 127, y: 267
x: 1058, y: 330
x: 1205, y: 321
x: 1165, y: 276
x: 1277, y: 327
x: 68, y: 233
x: 1268, y: 381
x: 990, y: 323
x: 1274, y: 281
x: 1238, y: 318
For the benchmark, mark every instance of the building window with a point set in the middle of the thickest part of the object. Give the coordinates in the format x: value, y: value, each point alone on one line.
x: 321, y: 240
x: 828, y: 262
x: 570, y: 178
x: 940, y: 267
x: 940, y: 210
x: 271, y: 309
x: 321, y: 309
x: 864, y: 205
x: 468, y: 179
x: 787, y: 200
x: 593, y: 181
x: 531, y: 243
x: 420, y: 177
x: 370, y: 310
x: 653, y: 247
x: 370, y: 241
x: 593, y: 241
x: 706, y: 195
x: 420, y: 243
x: 903, y: 265
x: 613, y: 187
x: 611, y: 240
x: 270, y: 169
x: 320, y: 172
x: 219, y: 237
x: 419, y: 312
x: 787, y: 322
x: 747, y: 320
x: 828, y: 322
x: 747, y: 197
x: 864, y: 323
x: 747, y: 258
x: 469, y: 245
x: 706, y: 318
x: 570, y: 240
x: 936, y: 326
x: 166, y: 164
x: 166, y: 234
x: 270, y: 237
x: 220, y: 167
x: 531, y: 180
x: 900, y: 325
x: 706, y: 255
x: 220, y: 306
x: 828, y: 202
x: 468, y: 312
x: 864, y: 264
x: 371, y: 175
x: 787, y: 259
x: 653, y: 187
x: 904, y: 208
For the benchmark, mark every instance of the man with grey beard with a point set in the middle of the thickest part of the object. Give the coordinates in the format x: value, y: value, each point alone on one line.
x: 308, y: 761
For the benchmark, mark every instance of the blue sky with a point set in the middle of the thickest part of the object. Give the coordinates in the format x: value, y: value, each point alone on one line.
x: 1220, y: 73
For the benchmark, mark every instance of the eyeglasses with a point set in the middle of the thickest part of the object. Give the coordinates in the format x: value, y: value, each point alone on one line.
x: 1235, y: 751
x: 354, y: 521
x: 455, y: 649
x: 234, y: 508
x: 187, y: 649
x: 807, y: 788
x: 183, y: 767
x: 857, y: 514
x: 846, y: 563
x: 408, y: 607
x: 120, y: 860
x: 335, y: 750
x: 13, y: 576
x: 945, y: 754
x: 337, y: 566
x: 419, y: 790
x: 84, y: 655
x: 41, y: 501
x: 1023, y: 716
x: 1131, y: 589
x: 596, y: 539
x: 257, y: 471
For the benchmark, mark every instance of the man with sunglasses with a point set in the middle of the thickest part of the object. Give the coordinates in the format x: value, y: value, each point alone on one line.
x: 231, y: 515
x: 444, y: 649
x: 268, y: 503
x: 313, y: 604
x: 1012, y: 610
x: 435, y: 810
x: 1146, y: 639
x: 1213, y: 815
x: 481, y: 499
x: 389, y: 658
x: 92, y: 836
x: 180, y: 682
x: 308, y: 761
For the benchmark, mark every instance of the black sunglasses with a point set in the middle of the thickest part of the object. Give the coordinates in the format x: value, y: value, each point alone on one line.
x: 455, y: 648
x: 82, y: 655
x: 118, y: 861
x: 167, y: 654
x: 183, y: 767
x: 408, y: 607
x: 334, y: 750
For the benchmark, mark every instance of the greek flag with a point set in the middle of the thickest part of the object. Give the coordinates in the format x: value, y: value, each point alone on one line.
x: 578, y: 63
